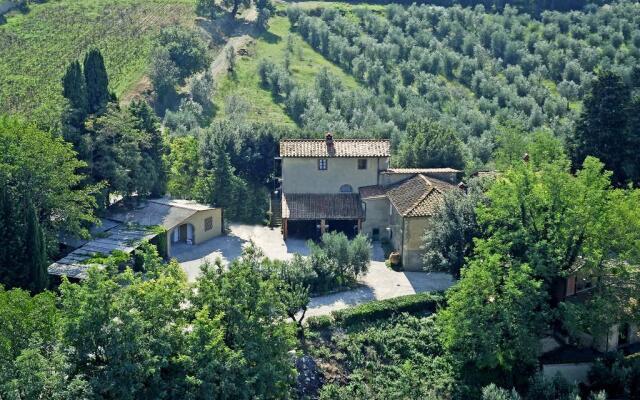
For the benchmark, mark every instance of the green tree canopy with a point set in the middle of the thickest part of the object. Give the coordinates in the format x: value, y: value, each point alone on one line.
x: 608, y: 128
x: 40, y: 196
x: 96, y: 81
x: 185, y: 48
x: 429, y: 144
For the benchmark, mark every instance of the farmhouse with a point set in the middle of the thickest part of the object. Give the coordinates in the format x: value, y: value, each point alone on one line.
x: 164, y: 222
x: 347, y: 185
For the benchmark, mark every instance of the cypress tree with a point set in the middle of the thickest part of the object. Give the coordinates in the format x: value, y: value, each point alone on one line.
x: 12, y: 251
x: 97, y: 81
x: 74, y: 87
x: 601, y: 130
x: 156, y: 147
x: 36, y: 255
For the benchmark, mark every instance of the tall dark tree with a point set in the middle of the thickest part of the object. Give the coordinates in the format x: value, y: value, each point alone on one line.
x: 11, y: 233
x: 74, y: 88
x: 35, y: 252
x: 156, y: 149
x: 602, y: 129
x: 430, y: 144
x: 632, y: 159
x: 220, y: 182
x: 97, y: 81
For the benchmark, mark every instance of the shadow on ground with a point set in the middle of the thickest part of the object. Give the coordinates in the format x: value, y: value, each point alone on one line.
x: 428, y: 281
x: 227, y: 247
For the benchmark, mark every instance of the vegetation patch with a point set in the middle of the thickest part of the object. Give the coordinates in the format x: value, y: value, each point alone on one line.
x: 371, y: 312
x: 38, y: 46
x: 243, y: 84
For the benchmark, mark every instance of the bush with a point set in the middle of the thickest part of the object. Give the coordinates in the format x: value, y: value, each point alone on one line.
x: 370, y: 312
x: 338, y: 261
x: 320, y: 322
x: 618, y: 376
x: 375, y: 310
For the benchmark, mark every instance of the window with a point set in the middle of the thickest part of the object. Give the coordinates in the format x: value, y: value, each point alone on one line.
x: 208, y: 224
x: 322, y: 164
x: 362, y: 163
x: 346, y: 189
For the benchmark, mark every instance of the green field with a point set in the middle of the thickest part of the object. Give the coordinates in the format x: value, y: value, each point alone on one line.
x: 305, y: 64
x: 37, y: 46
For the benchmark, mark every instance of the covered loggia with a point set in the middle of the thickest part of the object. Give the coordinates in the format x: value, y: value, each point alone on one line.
x: 309, y: 215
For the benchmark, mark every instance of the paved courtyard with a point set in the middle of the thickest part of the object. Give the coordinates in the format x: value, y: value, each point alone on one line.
x: 379, y: 283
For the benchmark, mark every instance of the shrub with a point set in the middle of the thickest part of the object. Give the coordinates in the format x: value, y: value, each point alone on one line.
x: 376, y: 310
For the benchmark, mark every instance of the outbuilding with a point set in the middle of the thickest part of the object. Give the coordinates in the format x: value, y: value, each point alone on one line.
x: 167, y: 223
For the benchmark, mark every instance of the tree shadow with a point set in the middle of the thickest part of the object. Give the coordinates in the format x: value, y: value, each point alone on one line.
x: 226, y: 247
x: 269, y: 37
x: 429, y: 281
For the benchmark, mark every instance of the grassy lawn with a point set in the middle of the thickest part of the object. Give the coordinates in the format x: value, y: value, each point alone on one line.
x: 37, y: 47
x: 305, y: 63
x: 309, y: 5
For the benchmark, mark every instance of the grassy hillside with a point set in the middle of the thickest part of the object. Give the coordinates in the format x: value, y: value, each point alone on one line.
x: 36, y: 47
x: 304, y: 65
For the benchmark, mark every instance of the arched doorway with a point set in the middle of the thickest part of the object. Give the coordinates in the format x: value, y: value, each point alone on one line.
x: 184, y: 233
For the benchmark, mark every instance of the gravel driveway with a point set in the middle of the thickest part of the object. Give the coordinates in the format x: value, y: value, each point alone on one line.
x: 378, y: 284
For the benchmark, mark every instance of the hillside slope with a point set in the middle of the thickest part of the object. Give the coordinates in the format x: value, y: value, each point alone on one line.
x: 36, y: 47
x: 305, y: 63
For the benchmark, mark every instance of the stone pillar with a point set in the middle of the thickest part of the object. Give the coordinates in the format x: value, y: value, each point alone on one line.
x: 323, y: 226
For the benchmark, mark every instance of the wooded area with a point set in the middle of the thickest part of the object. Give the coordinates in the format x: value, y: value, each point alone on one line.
x: 536, y: 102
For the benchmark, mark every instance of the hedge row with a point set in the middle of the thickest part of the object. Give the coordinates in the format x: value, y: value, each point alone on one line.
x: 376, y: 310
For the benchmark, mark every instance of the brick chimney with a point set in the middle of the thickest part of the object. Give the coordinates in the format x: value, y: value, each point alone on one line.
x: 328, y: 138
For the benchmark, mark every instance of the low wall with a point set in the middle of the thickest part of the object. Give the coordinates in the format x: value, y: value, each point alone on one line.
x: 571, y: 372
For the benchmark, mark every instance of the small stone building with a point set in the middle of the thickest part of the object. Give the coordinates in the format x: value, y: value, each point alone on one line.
x: 401, y: 207
x: 164, y: 222
x: 185, y: 221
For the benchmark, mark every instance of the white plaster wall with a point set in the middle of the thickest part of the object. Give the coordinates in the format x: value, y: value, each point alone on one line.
x: 377, y: 216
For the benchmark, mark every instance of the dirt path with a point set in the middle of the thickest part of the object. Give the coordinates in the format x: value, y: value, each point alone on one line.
x: 220, y: 64
x: 236, y: 33
x: 239, y: 37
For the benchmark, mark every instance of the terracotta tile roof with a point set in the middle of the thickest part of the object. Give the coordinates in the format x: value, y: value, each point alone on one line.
x: 420, y: 171
x: 340, y: 148
x: 418, y: 196
x: 367, y: 192
x: 306, y: 206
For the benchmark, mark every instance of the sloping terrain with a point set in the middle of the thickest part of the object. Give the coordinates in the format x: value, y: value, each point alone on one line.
x: 37, y: 46
x: 244, y: 83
